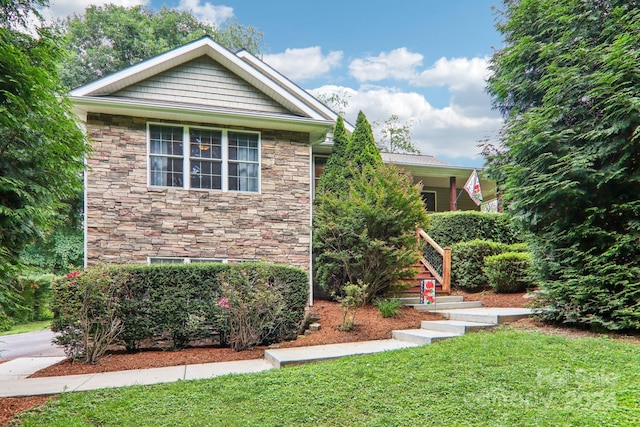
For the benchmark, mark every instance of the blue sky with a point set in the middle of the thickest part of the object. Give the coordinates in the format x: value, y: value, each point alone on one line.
x: 423, y: 60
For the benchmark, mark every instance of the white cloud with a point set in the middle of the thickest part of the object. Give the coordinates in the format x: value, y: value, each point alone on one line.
x: 457, y: 73
x: 207, y: 12
x: 204, y: 11
x: 452, y: 132
x: 59, y: 9
x: 304, y: 64
x: 398, y: 64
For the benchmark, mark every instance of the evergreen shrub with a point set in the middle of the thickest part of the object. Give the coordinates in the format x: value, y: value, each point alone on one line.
x: 467, y: 263
x: 368, y: 235
x: 509, y: 272
x: 447, y: 228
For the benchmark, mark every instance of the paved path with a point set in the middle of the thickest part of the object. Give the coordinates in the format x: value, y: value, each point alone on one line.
x: 31, y: 344
x: 14, y: 373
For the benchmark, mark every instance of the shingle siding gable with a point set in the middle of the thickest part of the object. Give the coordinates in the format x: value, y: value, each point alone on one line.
x: 202, y: 82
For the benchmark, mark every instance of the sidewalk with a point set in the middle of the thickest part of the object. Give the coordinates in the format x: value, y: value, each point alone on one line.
x: 13, y: 374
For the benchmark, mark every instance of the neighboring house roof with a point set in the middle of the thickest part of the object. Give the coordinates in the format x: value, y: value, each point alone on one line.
x: 412, y: 159
x: 277, y: 102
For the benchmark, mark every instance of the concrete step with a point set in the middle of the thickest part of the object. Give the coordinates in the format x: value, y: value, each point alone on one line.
x: 494, y: 315
x: 448, y: 306
x: 421, y: 336
x: 454, y: 326
x: 282, y: 357
x: 410, y: 301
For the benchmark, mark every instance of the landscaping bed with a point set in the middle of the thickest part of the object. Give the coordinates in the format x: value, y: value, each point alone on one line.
x: 370, y: 325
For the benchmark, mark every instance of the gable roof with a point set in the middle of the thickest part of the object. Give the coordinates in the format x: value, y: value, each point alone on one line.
x: 304, y: 112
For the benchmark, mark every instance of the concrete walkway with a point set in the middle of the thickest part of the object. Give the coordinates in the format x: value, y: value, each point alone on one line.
x: 14, y: 381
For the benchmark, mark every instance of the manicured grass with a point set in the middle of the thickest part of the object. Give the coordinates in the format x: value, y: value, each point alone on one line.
x: 28, y: 327
x: 503, y: 378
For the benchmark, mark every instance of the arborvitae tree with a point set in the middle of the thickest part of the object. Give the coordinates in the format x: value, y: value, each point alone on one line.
x: 567, y: 83
x: 362, y: 149
x: 333, y: 178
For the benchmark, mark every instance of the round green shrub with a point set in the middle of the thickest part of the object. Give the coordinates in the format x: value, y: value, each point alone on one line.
x: 509, y: 272
x: 467, y: 263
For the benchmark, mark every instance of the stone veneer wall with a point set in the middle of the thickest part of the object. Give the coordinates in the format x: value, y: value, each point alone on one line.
x: 128, y: 221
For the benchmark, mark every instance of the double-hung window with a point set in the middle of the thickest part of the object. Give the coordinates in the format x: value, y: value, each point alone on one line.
x: 203, y: 158
x: 243, y: 161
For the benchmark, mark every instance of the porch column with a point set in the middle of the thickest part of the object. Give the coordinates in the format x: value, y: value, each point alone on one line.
x: 452, y: 193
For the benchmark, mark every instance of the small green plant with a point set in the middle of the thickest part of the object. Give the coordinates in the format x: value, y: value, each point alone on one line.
x: 388, y: 307
x: 355, y: 296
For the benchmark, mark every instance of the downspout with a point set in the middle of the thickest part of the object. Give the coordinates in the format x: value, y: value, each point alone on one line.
x: 311, y: 189
x: 83, y: 126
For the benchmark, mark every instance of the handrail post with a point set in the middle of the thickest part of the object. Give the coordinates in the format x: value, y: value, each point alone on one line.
x: 446, y: 271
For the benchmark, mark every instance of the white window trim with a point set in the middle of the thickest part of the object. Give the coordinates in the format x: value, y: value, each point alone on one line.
x: 186, y: 157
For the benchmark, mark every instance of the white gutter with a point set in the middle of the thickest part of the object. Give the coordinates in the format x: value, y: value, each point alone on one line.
x: 145, y: 108
x: 311, y: 172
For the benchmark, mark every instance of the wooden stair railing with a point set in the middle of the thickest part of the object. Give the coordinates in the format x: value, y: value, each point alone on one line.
x: 442, y: 270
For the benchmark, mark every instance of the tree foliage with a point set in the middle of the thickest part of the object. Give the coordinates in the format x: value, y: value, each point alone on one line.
x: 361, y: 149
x: 333, y: 178
x: 109, y: 38
x: 364, y: 226
x: 396, y: 136
x: 41, y: 148
x: 62, y: 249
x: 368, y: 235
x: 567, y: 83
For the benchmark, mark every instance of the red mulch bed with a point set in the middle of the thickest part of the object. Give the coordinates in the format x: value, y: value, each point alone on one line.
x: 370, y: 325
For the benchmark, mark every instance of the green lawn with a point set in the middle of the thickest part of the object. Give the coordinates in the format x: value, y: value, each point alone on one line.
x: 503, y: 378
x: 28, y: 327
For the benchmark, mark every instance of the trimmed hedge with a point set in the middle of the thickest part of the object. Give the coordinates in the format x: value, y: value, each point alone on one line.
x: 468, y: 262
x: 182, y: 302
x: 509, y: 272
x: 448, y: 228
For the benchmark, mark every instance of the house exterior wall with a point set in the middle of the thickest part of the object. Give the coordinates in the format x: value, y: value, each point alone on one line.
x: 127, y: 221
x: 203, y: 82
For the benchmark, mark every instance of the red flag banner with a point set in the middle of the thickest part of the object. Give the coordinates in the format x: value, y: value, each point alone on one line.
x: 473, y: 188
